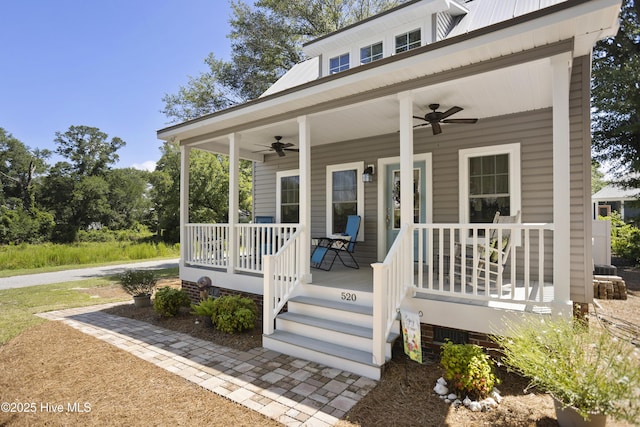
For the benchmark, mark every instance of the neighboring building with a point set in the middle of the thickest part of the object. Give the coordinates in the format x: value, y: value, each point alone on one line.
x: 615, y: 199
x: 521, y: 67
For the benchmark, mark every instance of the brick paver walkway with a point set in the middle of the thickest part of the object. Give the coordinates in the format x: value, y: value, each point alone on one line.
x: 293, y: 391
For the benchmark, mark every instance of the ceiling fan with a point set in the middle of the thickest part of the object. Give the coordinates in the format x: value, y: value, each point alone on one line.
x: 434, y: 118
x: 279, y: 147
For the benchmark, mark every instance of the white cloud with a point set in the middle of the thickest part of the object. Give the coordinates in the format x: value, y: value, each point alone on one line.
x: 149, y: 165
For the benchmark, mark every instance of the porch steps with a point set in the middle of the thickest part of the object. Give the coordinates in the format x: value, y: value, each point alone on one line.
x: 334, y: 333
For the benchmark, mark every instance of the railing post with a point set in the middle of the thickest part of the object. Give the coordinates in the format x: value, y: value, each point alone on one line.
x: 379, y: 315
x: 268, y: 297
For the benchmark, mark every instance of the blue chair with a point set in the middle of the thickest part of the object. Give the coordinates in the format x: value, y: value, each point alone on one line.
x: 337, y: 246
x: 267, y: 248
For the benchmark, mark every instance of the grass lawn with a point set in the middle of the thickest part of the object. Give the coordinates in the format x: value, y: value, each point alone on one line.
x: 18, y: 306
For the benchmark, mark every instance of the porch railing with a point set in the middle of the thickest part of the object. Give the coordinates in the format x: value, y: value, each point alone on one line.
x: 392, y: 279
x: 456, y: 260
x: 282, y: 273
x: 207, y: 245
x: 255, y: 241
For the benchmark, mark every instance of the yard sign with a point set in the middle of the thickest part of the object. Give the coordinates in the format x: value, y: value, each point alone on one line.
x: 411, y: 335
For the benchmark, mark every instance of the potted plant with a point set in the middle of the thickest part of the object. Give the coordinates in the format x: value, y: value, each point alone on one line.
x: 139, y: 284
x: 590, y: 374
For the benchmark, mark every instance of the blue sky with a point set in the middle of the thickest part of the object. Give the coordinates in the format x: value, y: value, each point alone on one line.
x: 105, y: 64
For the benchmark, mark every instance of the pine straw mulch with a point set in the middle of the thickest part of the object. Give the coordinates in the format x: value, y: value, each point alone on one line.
x: 55, y: 363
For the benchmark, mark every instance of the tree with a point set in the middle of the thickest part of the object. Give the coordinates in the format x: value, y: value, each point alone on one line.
x: 128, y: 197
x: 616, y: 98
x: 597, y: 178
x: 88, y: 150
x: 266, y: 41
x: 77, y: 190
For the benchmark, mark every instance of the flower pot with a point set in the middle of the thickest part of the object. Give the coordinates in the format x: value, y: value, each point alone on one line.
x: 569, y: 417
x: 207, y: 321
x: 142, y: 300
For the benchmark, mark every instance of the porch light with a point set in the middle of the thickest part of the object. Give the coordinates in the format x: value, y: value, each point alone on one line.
x: 367, y: 176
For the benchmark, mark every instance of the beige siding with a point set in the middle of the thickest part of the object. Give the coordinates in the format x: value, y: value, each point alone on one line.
x: 532, y: 130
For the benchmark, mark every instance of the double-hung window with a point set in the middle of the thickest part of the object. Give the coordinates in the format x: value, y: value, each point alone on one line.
x: 345, y: 196
x: 288, y: 196
x: 408, y: 41
x: 371, y: 53
x: 489, y: 182
x: 339, y: 63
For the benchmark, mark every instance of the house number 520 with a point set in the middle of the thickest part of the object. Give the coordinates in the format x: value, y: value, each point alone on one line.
x: 347, y: 296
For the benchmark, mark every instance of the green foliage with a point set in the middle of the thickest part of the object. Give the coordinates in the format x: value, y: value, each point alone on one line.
x: 138, y: 282
x: 597, y: 178
x: 234, y: 313
x: 204, y: 308
x: 88, y: 150
x: 468, y: 369
x: 18, y: 225
x: 18, y: 257
x: 625, y: 239
x: 582, y: 367
x: 167, y: 301
x: 616, y: 97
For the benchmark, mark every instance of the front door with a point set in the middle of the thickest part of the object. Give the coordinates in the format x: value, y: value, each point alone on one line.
x: 392, y: 198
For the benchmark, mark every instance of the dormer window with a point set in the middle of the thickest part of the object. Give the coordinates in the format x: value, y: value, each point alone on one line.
x: 371, y: 53
x: 339, y: 63
x: 408, y: 41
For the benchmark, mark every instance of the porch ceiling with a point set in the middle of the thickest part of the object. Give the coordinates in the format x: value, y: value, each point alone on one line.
x: 513, y: 89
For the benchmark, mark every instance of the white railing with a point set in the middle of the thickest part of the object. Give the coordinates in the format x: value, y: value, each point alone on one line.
x: 456, y: 260
x: 392, y: 279
x: 207, y: 245
x: 255, y: 241
x: 282, y: 273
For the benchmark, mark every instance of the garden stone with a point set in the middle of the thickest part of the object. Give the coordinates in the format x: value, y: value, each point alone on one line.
x: 452, y: 397
x: 441, y: 389
x: 475, y: 406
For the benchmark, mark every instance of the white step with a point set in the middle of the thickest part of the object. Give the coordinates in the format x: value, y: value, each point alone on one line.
x: 329, y: 354
x: 358, y: 297
x: 354, y: 314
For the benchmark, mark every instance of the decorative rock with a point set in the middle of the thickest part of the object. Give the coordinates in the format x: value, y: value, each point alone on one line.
x: 441, y: 389
x: 441, y: 381
x: 466, y: 402
x: 475, y: 406
x: 457, y: 402
x: 447, y: 401
x: 452, y: 397
x: 489, y: 403
x: 496, y: 396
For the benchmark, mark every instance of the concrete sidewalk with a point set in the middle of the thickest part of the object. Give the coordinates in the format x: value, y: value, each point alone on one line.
x: 292, y: 391
x: 82, y: 273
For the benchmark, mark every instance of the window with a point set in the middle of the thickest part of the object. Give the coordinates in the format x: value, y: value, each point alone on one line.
x: 288, y: 196
x: 371, y: 53
x: 408, y: 41
x: 339, y: 63
x: 396, y: 198
x: 345, y: 196
x: 489, y: 182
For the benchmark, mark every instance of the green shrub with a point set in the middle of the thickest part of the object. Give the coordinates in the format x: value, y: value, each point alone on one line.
x: 583, y: 367
x: 138, y: 282
x: 204, y: 307
x: 168, y: 301
x: 625, y: 239
x: 234, y: 313
x: 468, y: 370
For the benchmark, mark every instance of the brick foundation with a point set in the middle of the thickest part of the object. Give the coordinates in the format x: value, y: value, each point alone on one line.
x: 433, y: 337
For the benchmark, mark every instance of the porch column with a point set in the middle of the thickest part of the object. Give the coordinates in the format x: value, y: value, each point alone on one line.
x: 234, y: 160
x: 406, y: 157
x: 561, y: 76
x: 184, y: 200
x: 304, y: 156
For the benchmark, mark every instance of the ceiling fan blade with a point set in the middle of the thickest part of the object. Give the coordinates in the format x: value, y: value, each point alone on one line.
x: 436, y: 128
x: 280, y: 153
x: 419, y: 117
x: 291, y: 149
x: 287, y: 145
x: 422, y: 125
x: 466, y: 121
x: 450, y: 112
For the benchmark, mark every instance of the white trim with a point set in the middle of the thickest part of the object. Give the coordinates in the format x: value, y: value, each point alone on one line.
x: 382, y: 176
x: 279, y: 176
x: 185, y: 153
x: 515, y: 171
x: 359, y: 167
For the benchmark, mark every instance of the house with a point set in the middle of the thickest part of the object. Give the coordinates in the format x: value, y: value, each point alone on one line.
x: 379, y: 97
x: 616, y: 199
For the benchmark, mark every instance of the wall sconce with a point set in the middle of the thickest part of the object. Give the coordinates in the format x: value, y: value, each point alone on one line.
x: 367, y: 176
